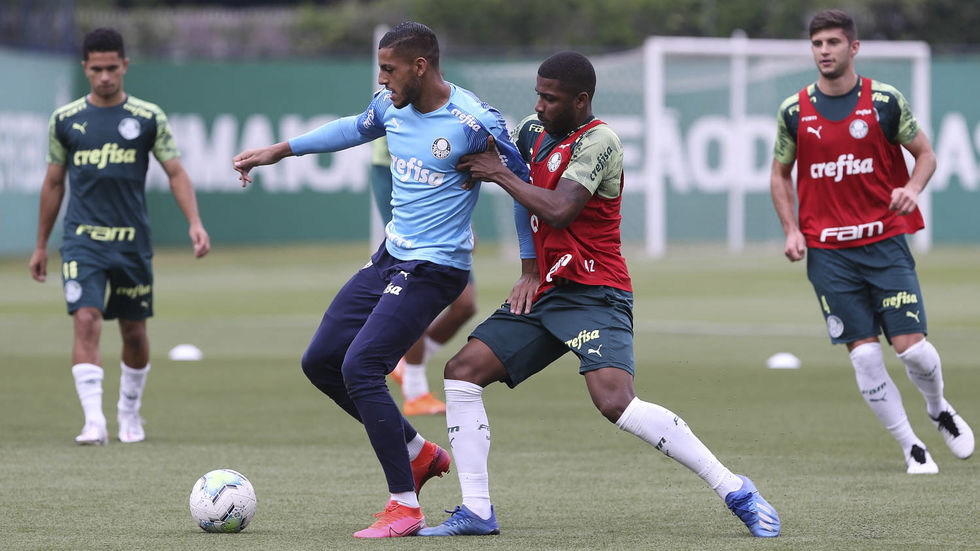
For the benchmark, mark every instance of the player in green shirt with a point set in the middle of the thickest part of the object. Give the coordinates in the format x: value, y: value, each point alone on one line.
x: 102, y: 143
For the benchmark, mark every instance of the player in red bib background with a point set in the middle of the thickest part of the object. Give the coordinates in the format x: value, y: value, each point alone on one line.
x: 857, y: 202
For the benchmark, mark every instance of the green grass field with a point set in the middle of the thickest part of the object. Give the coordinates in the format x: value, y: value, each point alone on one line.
x: 562, y: 477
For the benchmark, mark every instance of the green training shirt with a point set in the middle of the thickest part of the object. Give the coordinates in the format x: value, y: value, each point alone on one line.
x: 106, y: 150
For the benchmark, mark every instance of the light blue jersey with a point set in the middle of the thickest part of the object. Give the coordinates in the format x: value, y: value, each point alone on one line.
x: 431, y: 211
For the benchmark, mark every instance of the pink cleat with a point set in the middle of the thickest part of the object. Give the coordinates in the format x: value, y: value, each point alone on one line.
x: 395, y: 521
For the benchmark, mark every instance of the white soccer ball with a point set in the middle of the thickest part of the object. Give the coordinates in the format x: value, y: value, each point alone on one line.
x: 222, y: 500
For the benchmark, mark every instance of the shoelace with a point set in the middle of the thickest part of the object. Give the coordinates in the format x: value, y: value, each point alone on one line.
x: 918, y: 454
x: 453, y: 519
x: 945, y: 421
x: 742, y: 503
x: 384, y: 514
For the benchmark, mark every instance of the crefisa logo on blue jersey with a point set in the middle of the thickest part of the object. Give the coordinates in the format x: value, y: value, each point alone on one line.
x: 467, y: 119
x: 412, y: 170
x: 441, y: 148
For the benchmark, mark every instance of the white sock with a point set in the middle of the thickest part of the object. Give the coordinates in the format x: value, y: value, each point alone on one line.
x: 408, y: 499
x: 414, y: 383
x: 88, y: 384
x: 469, y: 438
x: 131, y: 384
x: 415, y: 446
x: 431, y: 348
x: 667, y: 432
x: 881, y: 394
x: 925, y: 370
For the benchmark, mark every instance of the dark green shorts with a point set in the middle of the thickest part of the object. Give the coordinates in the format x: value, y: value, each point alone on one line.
x: 129, y: 276
x: 864, y: 290
x: 594, y: 322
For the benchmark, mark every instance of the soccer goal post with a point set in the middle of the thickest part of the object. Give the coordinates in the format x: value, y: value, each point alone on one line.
x: 710, y: 116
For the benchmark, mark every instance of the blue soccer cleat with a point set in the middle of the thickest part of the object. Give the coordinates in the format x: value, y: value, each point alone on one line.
x: 747, y: 504
x: 463, y: 522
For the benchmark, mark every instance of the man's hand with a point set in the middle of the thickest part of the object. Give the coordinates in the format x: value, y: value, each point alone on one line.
x: 482, y: 166
x: 200, y: 239
x: 795, y: 248
x: 526, y: 287
x: 904, y: 200
x: 522, y: 294
x: 246, y: 161
x: 251, y: 158
x: 39, y: 265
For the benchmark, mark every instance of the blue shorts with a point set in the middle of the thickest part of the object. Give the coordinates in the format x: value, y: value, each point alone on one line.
x: 129, y: 275
x: 864, y: 290
x: 593, y: 322
x: 382, y: 310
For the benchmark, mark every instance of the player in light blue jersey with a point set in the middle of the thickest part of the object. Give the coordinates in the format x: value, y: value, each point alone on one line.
x: 423, y: 264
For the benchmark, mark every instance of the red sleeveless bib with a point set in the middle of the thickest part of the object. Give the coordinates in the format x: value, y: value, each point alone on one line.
x: 846, y: 171
x: 588, y: 250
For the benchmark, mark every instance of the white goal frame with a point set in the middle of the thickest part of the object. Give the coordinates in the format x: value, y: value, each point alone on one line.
x: 739, y: 48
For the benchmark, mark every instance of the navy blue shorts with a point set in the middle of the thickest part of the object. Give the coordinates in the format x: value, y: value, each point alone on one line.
x: 383, y: 309
x: 593, y: 322
x: 864, y: 290
x: 129, y: 276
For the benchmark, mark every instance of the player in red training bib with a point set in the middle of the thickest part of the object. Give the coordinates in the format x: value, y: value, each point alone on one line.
x: 857, y: 202
x: 574, y: 295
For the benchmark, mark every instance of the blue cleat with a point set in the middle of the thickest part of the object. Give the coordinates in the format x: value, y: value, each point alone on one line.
x: 463, y: 522
x: 747, y: 504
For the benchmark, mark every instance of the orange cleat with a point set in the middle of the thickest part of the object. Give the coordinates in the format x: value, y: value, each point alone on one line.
x: 399, y: 370
x: 426, y: 404
x: 431, y: 461
x: 395, y: 521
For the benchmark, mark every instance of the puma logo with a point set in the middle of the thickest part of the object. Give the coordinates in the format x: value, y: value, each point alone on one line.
x: 816, y: 131
x: 596, y: 351
x: 79, y: 127
x: 914, y: 316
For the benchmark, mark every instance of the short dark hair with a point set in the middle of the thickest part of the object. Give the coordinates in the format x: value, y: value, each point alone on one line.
x: 103, y: 39
x: 834, y: 19
x: 572, y: 70
x: 414, y: 40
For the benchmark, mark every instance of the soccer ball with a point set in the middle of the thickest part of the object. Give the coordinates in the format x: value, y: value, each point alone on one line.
x: 222, y: 501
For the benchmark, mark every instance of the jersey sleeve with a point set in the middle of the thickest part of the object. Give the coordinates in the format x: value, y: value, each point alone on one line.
x: 785, y: 149
x: 57, y: 152
x: 525, y: 134
x: 345, y: 132
x: 894, y: 113
x: 519, y: 135
x: 164, y: 146
x: 495, y: 125
x: 597, y: 162
x: 525, y: 237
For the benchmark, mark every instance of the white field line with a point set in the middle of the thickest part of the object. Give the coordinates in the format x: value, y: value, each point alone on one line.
x: 746, y: 329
